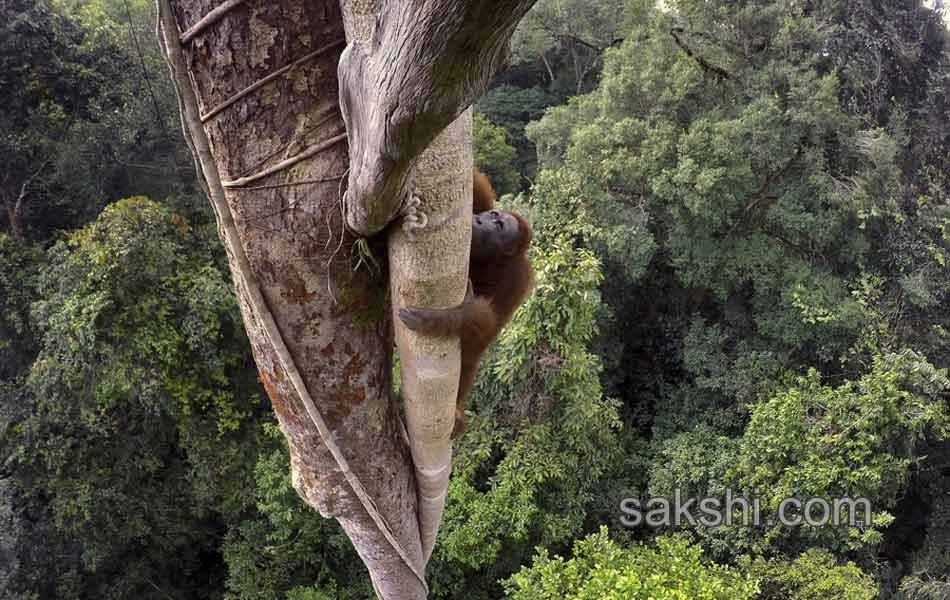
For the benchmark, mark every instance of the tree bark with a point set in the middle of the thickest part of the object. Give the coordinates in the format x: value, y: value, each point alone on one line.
x: 410, y: 68
x: 431, y: 269
x: 273, y: 156
x: 268, y: 123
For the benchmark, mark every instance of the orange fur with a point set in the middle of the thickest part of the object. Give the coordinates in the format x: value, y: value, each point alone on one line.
x: 499, y: 284
x: 483, y: 196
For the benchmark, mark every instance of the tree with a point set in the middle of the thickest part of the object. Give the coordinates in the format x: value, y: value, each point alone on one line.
x: 574, y: 33
x: 513, y: 108
x: 266, y: 124
x: 543, y: 442
x: 287, y: 550
x: 87, y: 115
x: 46, y: 98
x: 494, y: 156
x: 815, y: 575
x: 755, y: 169
x: 854, y: 441
x: 139, y: 142
x: 140, y: 412
x: 20, y: 264
x: 600, y: 569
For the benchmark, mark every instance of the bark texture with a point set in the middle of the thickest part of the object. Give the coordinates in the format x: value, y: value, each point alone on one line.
x: 269, y: 124
x: 431, y: 269
x: 410, y: 68
x: 273, y: 153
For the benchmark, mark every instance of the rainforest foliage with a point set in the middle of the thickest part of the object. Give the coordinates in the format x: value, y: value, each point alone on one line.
x: 742, y: 216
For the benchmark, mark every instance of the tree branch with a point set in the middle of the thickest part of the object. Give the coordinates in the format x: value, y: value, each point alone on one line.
x: 761, y: 194
x: 14, y: 211
x: 404, y: 77
x: 707, y: 67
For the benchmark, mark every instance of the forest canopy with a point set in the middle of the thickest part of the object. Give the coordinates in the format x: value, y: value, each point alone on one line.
x: 742, y: 252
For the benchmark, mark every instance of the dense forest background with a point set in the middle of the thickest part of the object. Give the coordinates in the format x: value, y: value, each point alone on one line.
x: 743, y: 235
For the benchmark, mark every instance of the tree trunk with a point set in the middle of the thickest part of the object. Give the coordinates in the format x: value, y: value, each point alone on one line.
x: 430, y: 268
x: 307, y: 310
x: 268, y: 123
x: 13, y: 220
x: 411, y: 67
